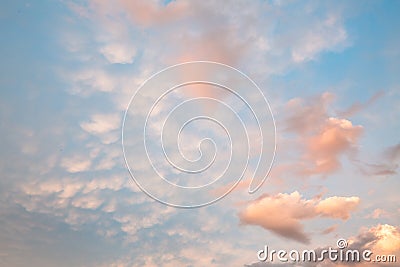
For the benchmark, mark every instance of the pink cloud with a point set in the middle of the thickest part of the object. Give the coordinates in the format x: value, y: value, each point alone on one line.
x: 337, y: 207
x: 336, y: 137
x: 283, y: 214
x: 322, y: 139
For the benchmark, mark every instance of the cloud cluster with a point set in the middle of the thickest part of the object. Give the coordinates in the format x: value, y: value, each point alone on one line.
x: 235, y: 34
x: 112, y: 47
x: 282, y: 214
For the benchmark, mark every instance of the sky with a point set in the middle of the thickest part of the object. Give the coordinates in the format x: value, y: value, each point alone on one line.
x: 329, y: 72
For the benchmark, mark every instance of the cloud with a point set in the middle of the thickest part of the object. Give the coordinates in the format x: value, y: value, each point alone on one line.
x: 305, y: 115
x: 101, y: 123
x: 177, y: 31
x: 328, y: 35
x: 389, y: 166
x: 378, y: 169
x: 87, y: 81
x: 76, y: 164
x: 118, y: 53
x: 322, y: 139
x: 337, y: 207
x: 382, y: 239
x: 282, y: 214
x: 336, y: 137
x: 79, y: 202
x: 386, y: 239
x: 103, y: 126
x: 393, y: 153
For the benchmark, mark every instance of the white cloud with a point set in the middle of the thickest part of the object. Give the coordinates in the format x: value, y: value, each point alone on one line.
x: 101, y: 123
x: 87, y: 202
x: 327, y: 35
x: 118, y: 53
x: 76, y: 164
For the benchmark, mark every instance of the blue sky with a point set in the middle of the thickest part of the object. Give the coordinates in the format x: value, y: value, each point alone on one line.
x: 69, y: 68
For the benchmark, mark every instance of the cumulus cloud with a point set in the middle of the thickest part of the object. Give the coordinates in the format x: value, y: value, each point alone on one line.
x: 328, y: 35
x: 87, y: 81
x: 305, y: 115
x: 382, y: 239
x: 322, y: 138
x: 337, y: 207
x: 283, y: 214
x: 386, y: 238
x: 336, y: 137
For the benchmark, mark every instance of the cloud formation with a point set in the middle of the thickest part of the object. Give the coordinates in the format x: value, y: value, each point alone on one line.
x: 283, y: 214
x: 322, y: 139
x: 102, y: 51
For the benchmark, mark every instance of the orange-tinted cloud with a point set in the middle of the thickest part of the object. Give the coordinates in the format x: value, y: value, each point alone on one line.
x: 387, y: 239
x: 382, y: 240
x: 322, y: 138
x: 282, y: 214
x: 337, y: 207
x: 305, y: 115
x: 337, y: 136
